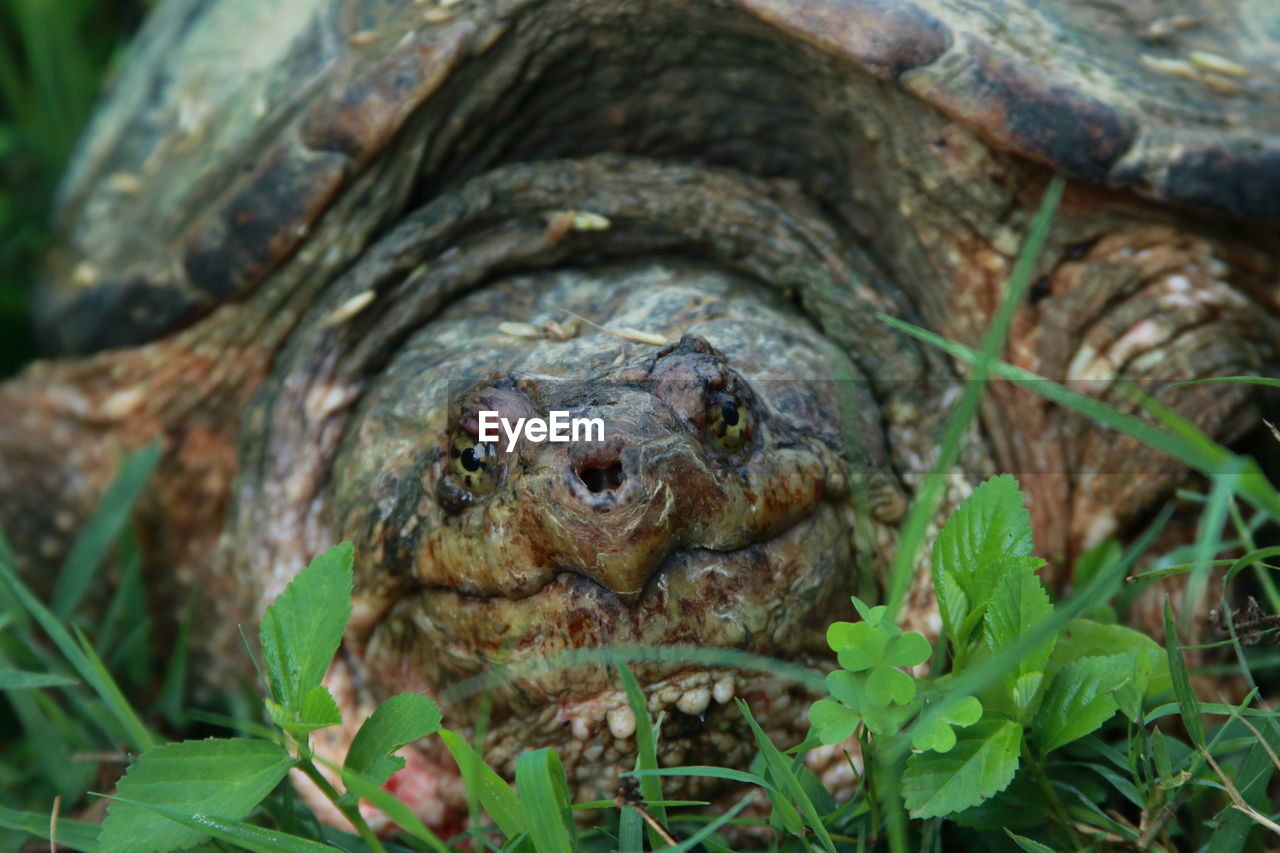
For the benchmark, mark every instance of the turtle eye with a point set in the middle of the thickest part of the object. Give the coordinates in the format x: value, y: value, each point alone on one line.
x: 472, y: 463
x: 729, y: 422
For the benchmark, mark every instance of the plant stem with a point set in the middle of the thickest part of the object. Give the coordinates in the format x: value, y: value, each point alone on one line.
x: 350, y: 812
x: 1059, y: 810
x: 868, y: 775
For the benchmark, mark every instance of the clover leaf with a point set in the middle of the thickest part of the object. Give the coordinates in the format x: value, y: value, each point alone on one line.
x: 870, y: 689
x: 878, y: 651
x: 937, y: 734
x: 832, y: 722
x: 836, y: 718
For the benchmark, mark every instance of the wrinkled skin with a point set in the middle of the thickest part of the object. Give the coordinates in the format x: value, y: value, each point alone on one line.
x: 655, y: 536
x: 306, y: 302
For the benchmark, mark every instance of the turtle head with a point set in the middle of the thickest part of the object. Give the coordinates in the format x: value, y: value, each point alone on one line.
x: 597, y: 489
x: 608, y: 478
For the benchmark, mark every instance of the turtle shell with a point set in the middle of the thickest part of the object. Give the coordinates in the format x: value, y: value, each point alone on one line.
x: 238, y: 124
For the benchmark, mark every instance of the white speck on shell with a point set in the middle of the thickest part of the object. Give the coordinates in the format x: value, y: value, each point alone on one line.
x: 351, y: 308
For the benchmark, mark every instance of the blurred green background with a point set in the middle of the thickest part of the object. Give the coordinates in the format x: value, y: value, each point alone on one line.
x: 55, y: 58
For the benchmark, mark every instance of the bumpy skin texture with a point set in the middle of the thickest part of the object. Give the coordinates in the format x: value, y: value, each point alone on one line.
x: 684, y: 543
x: 302, y: 248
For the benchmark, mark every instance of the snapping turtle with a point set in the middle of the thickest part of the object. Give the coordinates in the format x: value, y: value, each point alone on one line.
x: 308, y: 245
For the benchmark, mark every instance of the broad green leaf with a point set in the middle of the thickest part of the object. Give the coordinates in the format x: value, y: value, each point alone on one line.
x: 1017, y: 606
x: 1079, y: 699
x: 319, y: 711
x: 1150, y: 667
x: 1026, y: 689
x: 938, y: 734
x: 226, y: 778
x: 953, y: 604
x: 987, y: 539
x: 852, y: 689
x: 1083, y: 638
x: 303, y: 626
x: 398, y: 721
x: 17, y: 679
x: 980, y: 765
x: 545, y: 795
x: 246, y: 836
x: 874, y: 654
x: 870, y: 615
x: 832, y: 722
x: 494, y: 794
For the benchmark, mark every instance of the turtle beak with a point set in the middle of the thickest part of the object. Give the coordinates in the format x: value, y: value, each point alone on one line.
x: 614, y: 510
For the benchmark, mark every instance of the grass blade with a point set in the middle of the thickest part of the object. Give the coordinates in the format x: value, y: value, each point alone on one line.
x: 244, y: 835
x: 710, y: 829
x: 74, y: 834
x: 1181, y: 682
x: 646, y: 748
x: 1208, y: 543
x: 100, y: 531
x: 1202, y: 453
x: 712, y: 772
x: 781, y: 771
x: 81, y: 658
x: 1244, y: 380
x: 925, y: 505
x: 494, y: 794
x: 393, y: 807
x: 544, y: 792
x: 18, y: 679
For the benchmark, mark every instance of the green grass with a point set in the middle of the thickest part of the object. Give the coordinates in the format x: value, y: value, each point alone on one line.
x: 54, y: 56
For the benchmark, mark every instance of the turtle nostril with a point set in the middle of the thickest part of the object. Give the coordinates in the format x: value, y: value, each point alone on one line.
x: 602, y: 479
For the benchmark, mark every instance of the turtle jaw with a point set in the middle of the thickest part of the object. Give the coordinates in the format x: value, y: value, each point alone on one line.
x: 772, y: 598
